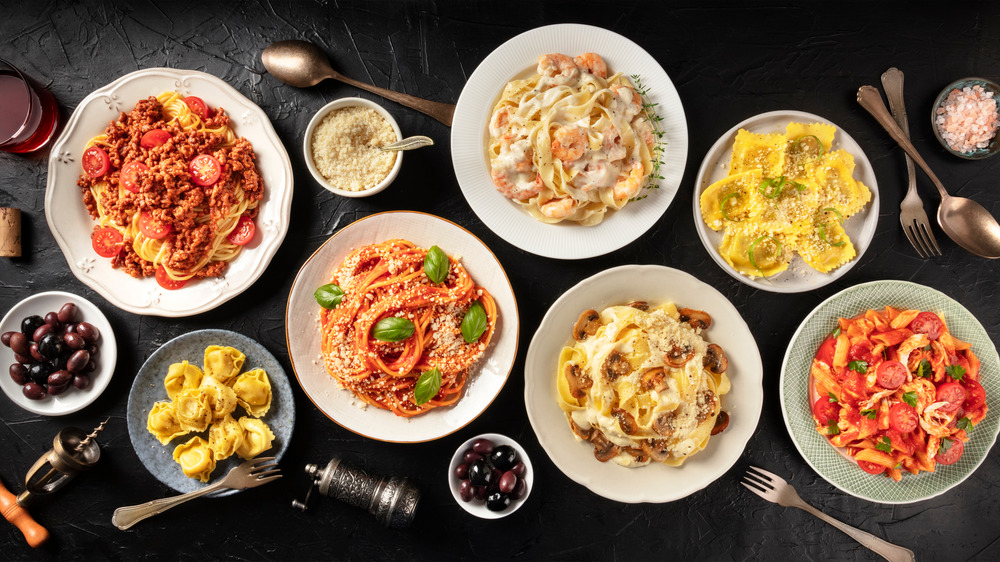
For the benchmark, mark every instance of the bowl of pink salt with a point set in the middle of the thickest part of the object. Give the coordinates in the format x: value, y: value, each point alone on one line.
x: 966, y: 118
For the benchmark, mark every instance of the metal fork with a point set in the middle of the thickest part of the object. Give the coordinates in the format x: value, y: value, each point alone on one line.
x: 250, y: 474
x: 911, y: 211
x: 774, y: 489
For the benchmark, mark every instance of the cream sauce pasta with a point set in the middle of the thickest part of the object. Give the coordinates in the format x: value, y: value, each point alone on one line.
x: 569, y: 143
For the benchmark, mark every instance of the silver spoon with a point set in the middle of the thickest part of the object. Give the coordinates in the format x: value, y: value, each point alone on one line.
x: 303, y: 64
x: 963, y: 220
x: 409, y: 143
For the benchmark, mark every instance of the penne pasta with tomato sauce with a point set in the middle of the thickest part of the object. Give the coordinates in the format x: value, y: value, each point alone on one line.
x: 897, y: 391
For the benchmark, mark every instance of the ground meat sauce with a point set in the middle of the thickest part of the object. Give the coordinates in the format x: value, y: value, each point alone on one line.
x: 166, y: 191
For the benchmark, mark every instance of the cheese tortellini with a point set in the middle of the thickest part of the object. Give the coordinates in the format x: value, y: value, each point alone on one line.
x: 206, y: 399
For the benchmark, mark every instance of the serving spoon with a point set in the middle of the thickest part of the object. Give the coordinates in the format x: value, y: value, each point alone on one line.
x: 303, y: 64
x: 966, y: 222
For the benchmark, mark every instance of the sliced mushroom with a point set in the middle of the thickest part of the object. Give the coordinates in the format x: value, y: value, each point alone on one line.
x: 639, y: 455
x: 664, y: 424
x: 654, y: 379
x: 721, y: 423
x: 696, y: 318
x: 641, y: 305
x: 616, y: 365
x: 578, y: 382
x: 715, y: 359
x: 579, y: 431
x: 657, y: 449
x: 604, y: 450
x: 707, y: 404
x: 679, y: 355
x: 586, y: 325
x: 625, y: 421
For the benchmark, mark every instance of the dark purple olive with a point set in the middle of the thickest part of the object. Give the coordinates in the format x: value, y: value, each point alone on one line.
x: 503, y: 457
x: 75, y: 341
x: 26, y: 359
x: 52, y: 319
x: 52, y: 346
x: 39, y: 372
x: 91, y: 367
x: 507, y: 481
x: 57, y: 390
x: 60, y: 378
x: 67, y: 329
x: 30, y: 324
x: 465, y: 490
x: 78, y: 361
x: 93, y: 350
x: 497, y: 501
x: 19, y: 373
x: 479, y: 492
x: 33, y: 391
x: 19, y: 343
x: 88, y: 331
x: 36, y: 353
x: 520, y: 490
x: 461, y: 471
x: 5, y: 338
x: 67, y: 313
x: 480, y: 473
x: 81, y: 381
x: 42, y: 331
x: 482, y: 446
x: 494, y: 481
x: 519, y: 469
x: 471, y: 456
x: 58, y: 363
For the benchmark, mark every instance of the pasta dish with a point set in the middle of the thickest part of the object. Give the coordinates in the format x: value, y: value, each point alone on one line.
x: 401, y: 326
x: 173, y: 190
x: 897, y: 391
x: 642, y: 385
x: 570, y: 142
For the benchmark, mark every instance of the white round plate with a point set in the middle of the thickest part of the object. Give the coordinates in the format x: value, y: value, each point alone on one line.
x: 470, y: 136
x: 302, y: 328
x: 72, y: 226
x: 824, y: 458
x: 74, y: 399
x: 654, y: 483
x: 799, y: 276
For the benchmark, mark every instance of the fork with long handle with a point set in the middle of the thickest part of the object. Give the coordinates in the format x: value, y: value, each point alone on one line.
x: 774, y: 489
x: 912, y: 215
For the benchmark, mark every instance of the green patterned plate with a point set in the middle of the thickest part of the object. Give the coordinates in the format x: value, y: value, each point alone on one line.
x: 823, y: 457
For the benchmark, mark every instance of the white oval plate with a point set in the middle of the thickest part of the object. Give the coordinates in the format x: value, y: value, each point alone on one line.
x: 799, y: 276
x: 469, y: 137
x: 74, y: 399
x: 72, y: 226
x: 824, y: 458
x: 302, y: 329
x: 654, y: 483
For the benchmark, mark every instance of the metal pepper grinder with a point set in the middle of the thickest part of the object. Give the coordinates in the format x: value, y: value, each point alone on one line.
x: 392, y: 500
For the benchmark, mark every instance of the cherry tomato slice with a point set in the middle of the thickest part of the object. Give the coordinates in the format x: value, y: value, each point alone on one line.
x: 129, y: 177
x: 826, y: 349
x: 166, y: 282
x: 107, y: 242
x: 953, y: 453
x: 243, y: 232
x: 976, y: 395
x: 891, y: 374
x: 951, y: 392
x: 902, y: 418
x: 927, y: 323
x: 95, y: 162
x: 152, y: 228
x: 825, y: 411
x: 154, y: 138
x: 205, y: 170
x: 871, y: 468
x: 198, y: 107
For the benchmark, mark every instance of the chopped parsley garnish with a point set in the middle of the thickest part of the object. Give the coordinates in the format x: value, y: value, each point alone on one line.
x: 884, y: 445
x: 832, y: 428
x: 833, y: 399
x: 955, y: 371
x: 870, y: 414
x: 964, y: 423
x: 945, y: 445
x: 910, y: 398
x: 923, y: 369
x: 836, y: 332
x: 858, y: 366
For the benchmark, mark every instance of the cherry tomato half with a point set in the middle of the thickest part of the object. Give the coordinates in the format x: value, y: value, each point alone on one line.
x: 152, y: 228
x: 198, y: 106
x: 902, y: 417
x: 107, y: 242
x: 976, y: 395
x: 927, y: 323
x: 891, y: 374
x: 243, y: 232
x: 154, y: 138
x: 871, y: 468
x: 129, y: 177
x: 826, y: 349
x: 95, y: 162
x: 953, y: 453
x: 824, y: 410
x: 951, y: 392
x: 205, y: 170
x: 166, y: 282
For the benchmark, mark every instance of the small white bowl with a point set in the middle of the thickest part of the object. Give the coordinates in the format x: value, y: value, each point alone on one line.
x: 318, y: 118
x: 477, y: 507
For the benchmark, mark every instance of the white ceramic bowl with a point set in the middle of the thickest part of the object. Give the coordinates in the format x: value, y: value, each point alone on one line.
x: 318, y: 118
x: 476, y: 507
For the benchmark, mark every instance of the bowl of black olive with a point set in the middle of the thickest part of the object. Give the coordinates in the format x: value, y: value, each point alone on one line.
x: 61, y: 353
x: 490, y: 476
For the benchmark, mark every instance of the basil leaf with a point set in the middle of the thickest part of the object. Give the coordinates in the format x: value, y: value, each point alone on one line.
x: 392, y: 329
x: 833, y: 398
x: 832, y: 428
x: 964, y: 423
x: 474, y: 323
x: 924, y: 368
x: 870, y: 414
x: 427, y: 387
x: 436, y: 265
x: 884, y: 445
x: 328, y: 296
x: 910, y: 398
x: 955, y: 371
x: 859, y: 366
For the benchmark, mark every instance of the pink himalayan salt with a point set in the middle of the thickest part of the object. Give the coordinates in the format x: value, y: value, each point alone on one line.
x: 968, y: 119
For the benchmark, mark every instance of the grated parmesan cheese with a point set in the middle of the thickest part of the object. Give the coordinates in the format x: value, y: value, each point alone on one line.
x: 345, y: 148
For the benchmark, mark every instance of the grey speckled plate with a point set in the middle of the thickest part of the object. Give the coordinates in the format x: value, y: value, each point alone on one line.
x: 148, y: 389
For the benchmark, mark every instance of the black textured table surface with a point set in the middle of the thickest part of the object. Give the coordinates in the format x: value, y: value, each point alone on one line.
x: 728, y: 62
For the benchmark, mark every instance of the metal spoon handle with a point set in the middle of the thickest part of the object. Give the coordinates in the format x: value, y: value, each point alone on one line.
x: 892, y: 82
x: 443, y: 112
x: 409, y: 143
x: 870, y: 99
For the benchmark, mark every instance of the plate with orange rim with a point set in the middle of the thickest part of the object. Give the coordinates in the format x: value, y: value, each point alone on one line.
x: 487, y: 376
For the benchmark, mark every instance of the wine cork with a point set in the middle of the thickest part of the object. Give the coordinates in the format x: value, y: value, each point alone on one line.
x: 10, y: 232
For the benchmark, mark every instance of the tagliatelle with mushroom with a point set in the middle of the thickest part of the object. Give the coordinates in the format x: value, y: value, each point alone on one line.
x: 642, y: 385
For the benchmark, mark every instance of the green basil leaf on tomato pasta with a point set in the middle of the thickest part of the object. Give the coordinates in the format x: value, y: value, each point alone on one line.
x: 427, y: 386
x: 328, y: 296
x: 436, y: 265
x: 392, y: 329
x: 474, y: 323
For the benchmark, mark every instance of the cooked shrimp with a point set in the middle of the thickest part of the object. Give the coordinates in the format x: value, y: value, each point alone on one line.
x: 514, y: 189
x: 645, y: 131
x: 500, y: 121
x: 627, y: 101
x: 558, y: 208
x: 613, y: 146
x: 569, y: 143
x: 627, y: 186
x: 592, y: 63
x: 558, y: 66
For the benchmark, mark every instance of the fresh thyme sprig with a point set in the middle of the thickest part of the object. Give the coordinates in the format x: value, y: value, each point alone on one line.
x: 655, y: 121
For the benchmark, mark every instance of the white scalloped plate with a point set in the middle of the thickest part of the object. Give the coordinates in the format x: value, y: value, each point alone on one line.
x: 71, y: 225
x: 469, y: 137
